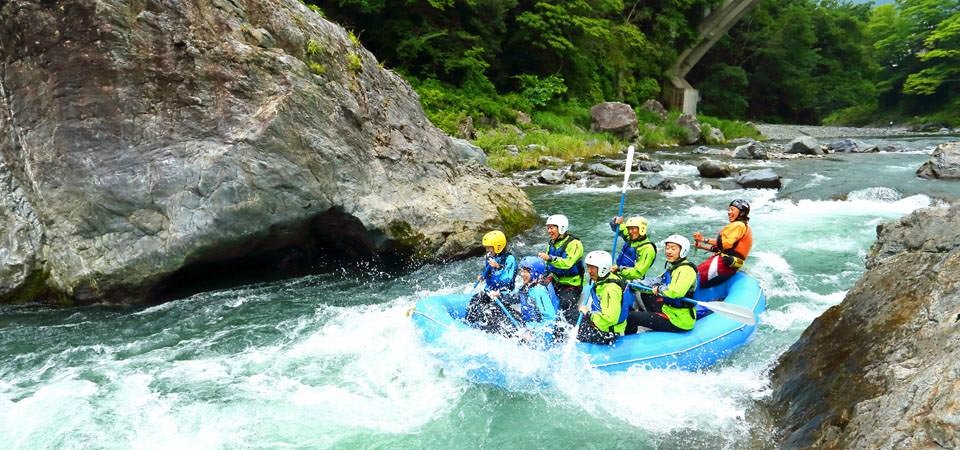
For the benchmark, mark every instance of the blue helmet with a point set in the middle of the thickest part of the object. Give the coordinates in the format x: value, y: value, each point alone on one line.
x: 535, y: 265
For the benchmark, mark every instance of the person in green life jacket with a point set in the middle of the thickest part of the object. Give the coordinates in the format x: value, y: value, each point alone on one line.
x: 602, y: 322
x: 637, y: 254
x: 499, y: 272
x: 663, y: 309
x: 563, y: 259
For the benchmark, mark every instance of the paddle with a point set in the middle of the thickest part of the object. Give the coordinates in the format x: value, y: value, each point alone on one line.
x: 735, y: 312
x: 584, y: 297
x: 505, y: 311
x: 623, y: 196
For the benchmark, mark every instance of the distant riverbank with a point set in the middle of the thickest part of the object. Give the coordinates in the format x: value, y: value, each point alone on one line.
x: 787, y: 132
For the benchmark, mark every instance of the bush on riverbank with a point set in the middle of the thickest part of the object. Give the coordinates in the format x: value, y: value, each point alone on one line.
x: 555, y: 129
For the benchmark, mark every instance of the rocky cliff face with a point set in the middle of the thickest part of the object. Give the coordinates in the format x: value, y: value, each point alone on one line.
x: 148, y: 145
x: 881, y: 370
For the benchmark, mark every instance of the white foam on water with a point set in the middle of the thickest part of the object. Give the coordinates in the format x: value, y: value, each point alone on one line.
x: 875, y: 193
x: 797, y: 316
x: 774, y: 273
x: 697, y: 190
x: 676, y: 169
x: 815, y: 179
x: 663, y: 401
x: 62, y: 402
x: 616, y: 186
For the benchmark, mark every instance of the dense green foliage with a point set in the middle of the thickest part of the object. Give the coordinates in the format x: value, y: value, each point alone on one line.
x: 806, y: 61
x: 597, y: 49
x: 796, y: 61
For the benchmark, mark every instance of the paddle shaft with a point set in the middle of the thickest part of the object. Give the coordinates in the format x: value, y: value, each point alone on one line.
x: 623, y: 196
x: 735, y: 312
x: 616, y: 233
x: 506, y: 312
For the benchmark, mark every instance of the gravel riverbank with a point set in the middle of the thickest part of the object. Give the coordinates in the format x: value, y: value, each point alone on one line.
x: 788, y: 132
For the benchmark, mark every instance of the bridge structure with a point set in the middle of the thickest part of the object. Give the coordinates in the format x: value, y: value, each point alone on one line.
x: 678, y: 93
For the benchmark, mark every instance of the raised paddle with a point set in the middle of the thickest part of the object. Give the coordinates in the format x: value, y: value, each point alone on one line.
x: 623, y: 196
x: 735, y: 312
x: 584, y: 293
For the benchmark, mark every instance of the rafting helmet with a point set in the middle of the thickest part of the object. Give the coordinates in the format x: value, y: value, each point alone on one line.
x: 560, y: 221
x: 743, y: 206
x: 535, y: 265
x: 638, y: 222
x: 601, y: 260
x: 495, y: 239
x: 681, y: 241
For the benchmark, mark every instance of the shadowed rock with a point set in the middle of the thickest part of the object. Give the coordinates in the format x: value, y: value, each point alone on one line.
x: 150, y: 147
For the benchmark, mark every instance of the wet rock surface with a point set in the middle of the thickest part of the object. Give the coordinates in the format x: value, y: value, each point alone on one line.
x: 146, y: 146
x: 881, y: 370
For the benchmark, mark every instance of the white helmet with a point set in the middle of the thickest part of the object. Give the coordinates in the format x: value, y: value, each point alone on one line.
x: 683, y: 242
x: 601, y: 260
x: 560, y: 221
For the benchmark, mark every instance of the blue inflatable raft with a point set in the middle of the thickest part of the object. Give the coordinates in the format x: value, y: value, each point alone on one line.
x: 712, y: 338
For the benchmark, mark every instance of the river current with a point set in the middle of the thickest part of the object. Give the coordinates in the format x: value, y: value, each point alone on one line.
x: 331, y: 361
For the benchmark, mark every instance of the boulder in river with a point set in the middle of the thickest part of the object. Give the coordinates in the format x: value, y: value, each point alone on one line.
x: 944, y: 162
x: 852, y: 146
x: 149, y: 149
x: 715, y: 169
x: 881, y: 370
x: 763, y: 178
x: 805, y: 145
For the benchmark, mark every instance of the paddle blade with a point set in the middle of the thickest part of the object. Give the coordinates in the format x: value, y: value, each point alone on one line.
x: 735, y: 312
x: 628, y: 167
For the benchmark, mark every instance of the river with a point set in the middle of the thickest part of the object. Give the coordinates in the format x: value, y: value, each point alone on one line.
x: 331, y: 361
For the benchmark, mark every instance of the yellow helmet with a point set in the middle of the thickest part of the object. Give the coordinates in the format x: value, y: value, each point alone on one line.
x: 495, y: 239
x: 638, y: 222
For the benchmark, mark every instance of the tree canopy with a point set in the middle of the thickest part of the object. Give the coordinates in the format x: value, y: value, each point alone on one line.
x: 801, y: 61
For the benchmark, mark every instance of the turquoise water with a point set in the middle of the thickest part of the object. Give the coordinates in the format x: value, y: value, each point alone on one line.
x: 330, y: 361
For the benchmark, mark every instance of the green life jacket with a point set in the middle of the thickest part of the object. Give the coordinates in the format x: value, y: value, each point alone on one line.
x: 681, y: 313
x: 611, y: 281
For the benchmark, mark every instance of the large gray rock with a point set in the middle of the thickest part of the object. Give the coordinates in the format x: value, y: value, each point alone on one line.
x: 657, y: 182
x: 762, y: 178
x: 603, y: 170
x: 804, y: 145
x: 751, y: 150
x: 692, y: 128
x: 551, y: 176
x: 715, y: 169
x: 713, y: 136
x: 467, y: 152
x: 656, y: 108
x: 944, y: 162
x: 614, y: 117
x: 881, y: 370
x: 148, y: 144
x: 852, y: 146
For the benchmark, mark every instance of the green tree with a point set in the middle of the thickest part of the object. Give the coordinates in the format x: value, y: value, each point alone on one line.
x: 801, y: 59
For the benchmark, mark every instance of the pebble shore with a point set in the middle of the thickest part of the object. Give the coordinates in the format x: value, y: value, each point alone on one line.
x: 788, y: 132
